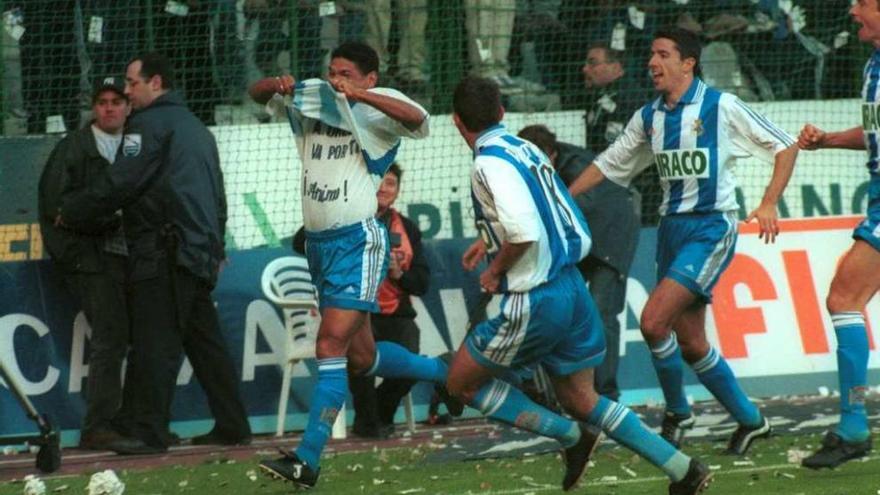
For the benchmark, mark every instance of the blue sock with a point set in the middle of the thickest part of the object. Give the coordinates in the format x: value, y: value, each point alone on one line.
x: 852, y: 375
x: 666, y: 356
x: 327, y: 399
x: 395, y: 361
x: 621, y: 424
x: 500, y: 401
x: 716, y: 375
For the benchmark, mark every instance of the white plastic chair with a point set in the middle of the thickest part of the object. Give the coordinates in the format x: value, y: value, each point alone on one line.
x: 286, y: 282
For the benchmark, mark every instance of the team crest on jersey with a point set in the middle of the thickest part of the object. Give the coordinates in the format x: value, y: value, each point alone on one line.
x: 131, y: 145
x: 698, y: 127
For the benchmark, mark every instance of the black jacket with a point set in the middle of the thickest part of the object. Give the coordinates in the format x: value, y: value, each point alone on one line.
x: 74, y: 163
x: 415, y: 280
x: 612, y: 211
x: 167, y: 177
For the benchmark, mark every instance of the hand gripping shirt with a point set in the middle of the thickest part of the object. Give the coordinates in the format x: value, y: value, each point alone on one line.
x: 345, y: 148
x: 518, y: 198
x: 694, y: 147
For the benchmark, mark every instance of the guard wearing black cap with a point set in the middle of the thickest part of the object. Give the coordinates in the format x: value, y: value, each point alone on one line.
x: 93, y: 261
x: 167, y: 177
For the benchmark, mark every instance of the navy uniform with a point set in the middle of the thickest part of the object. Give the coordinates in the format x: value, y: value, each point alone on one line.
x: 168, y: 179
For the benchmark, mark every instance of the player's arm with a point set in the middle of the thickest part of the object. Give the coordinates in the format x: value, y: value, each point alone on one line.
x: 813, y: 138
x: 508, y: 255
x: 408, y: 115
x: 263, y: 90
x: 517, y: 213
x: 588, y: 179
x: 765, y: 213
x: 628, y: 155
x: 759, y: 137
x: 417, y: 279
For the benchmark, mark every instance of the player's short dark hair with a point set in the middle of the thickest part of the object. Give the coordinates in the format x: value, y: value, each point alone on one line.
x: 540, y: 136
x: 686, y: 42
x: 156, y: 64
x: 361, y: 54
x: 611, y: 55
x: 477, y: 102
x: 396, y: 170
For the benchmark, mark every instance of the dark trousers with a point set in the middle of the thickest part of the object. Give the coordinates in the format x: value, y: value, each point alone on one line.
x: 608, y: 288
x: 375, y: 406
x: 171, y: 313
x: 102, y: 298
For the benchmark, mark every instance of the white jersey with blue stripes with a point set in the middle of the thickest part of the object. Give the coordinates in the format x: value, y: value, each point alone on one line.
x: 694, y: 147
x: 345, y: 149
x: 871, y: 112
x: 519, y: 198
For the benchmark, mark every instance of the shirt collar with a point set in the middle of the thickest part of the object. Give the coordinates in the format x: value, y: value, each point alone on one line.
x: 694, y: 94
x: 489, y: 134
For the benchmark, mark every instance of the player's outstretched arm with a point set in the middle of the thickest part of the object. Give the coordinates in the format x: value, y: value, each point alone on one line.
x: 765, y: 213
x: 813, y: 138
x: 589, y: 178
x: 408, y: 115
x: 263, y: 90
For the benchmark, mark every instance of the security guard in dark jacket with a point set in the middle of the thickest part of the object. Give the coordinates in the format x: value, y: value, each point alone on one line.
x: 167, y: 178
x: 93, y: 262
x: 612, y: 212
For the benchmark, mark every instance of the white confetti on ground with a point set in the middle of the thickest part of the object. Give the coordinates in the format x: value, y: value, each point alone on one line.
x: 33, y: 485
x: 795, y: 456
x: 105, y: 483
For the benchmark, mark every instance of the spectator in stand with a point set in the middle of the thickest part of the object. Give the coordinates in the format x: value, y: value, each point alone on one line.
x: 49, y: 67
x: 412, y: 16
x: 613, y: 94
x: 612, y: 213
x: 183, y: 33
x: 490, y: 27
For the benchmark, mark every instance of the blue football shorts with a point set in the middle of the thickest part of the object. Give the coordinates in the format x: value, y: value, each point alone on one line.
x: 555, y: 324
x: 694, y: 249
x: 347, y: 264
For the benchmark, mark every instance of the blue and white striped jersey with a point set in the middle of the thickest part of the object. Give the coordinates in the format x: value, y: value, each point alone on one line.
x: 519, y: 198
x: 345, y: 149
x: 694, y: 147
x: 871, y: 111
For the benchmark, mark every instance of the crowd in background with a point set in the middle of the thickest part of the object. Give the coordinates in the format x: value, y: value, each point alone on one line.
x: 534, y: 49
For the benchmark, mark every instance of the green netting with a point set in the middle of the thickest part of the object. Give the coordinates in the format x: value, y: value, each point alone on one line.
x: 795, y: 61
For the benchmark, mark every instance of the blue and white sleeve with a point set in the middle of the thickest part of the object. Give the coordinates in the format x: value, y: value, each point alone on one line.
x: 752, y: 132
x: 628, y: 155
x: 514, y: 204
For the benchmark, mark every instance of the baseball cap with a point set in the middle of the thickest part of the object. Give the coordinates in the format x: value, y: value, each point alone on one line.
x: 109, y: 83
